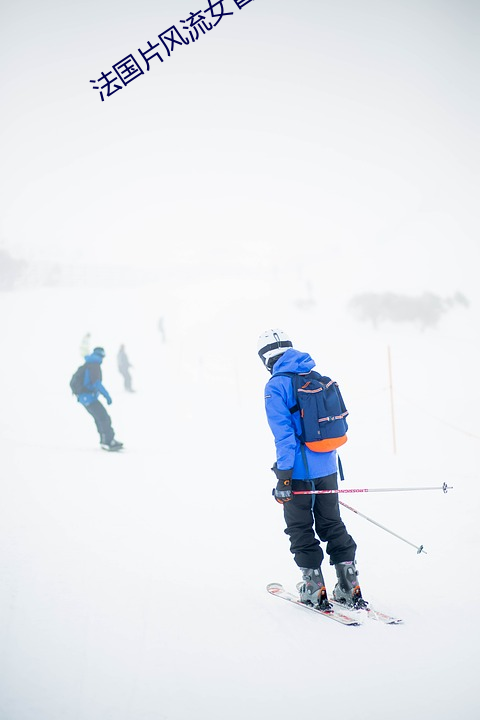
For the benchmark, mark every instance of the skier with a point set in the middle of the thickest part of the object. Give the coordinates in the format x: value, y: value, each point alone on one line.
x: 308, y: 518
x: 123, y: 364
x: 92, y: 388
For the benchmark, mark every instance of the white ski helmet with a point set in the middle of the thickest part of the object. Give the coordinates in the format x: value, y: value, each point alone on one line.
x: 271, y: 344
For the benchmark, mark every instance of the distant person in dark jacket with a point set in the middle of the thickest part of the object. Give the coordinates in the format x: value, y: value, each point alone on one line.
x: 93, y: 387
x: 124, y: 368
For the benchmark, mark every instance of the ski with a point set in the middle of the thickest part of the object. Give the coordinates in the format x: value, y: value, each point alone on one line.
x: 371, y: 613
x: 336, y: 613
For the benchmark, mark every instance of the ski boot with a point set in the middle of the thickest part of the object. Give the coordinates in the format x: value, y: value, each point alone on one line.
x: 347, y: 590
x: 312, y: 589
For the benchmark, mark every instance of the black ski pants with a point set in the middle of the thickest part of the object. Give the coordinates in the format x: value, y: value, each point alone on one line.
x: 102, y: 421
x: 310, y: 517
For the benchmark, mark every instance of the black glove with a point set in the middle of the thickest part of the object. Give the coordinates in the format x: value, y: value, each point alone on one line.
x: 283, y: 492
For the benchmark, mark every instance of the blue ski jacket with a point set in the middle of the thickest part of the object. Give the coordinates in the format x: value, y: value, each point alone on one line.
x: 93, y: 381
x: 285, y: 426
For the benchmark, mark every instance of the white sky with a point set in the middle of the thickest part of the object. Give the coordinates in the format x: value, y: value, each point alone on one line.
x: 341, y: 128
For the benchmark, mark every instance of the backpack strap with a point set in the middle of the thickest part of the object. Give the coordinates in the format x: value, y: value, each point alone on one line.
x: 293, y: 377
x: 304, y: 458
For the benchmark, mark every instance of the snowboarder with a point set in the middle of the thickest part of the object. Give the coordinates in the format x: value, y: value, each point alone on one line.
x: 88, y: 397
x: 123, y: 364
x: 308, y: 518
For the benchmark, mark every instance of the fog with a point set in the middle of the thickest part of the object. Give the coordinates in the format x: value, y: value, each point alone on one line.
x: 345, y: 130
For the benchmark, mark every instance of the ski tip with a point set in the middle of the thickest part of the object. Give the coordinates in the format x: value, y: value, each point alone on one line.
x: 383, y: 617
x: 274, y: 587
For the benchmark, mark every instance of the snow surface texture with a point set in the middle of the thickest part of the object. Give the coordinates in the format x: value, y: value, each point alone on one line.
x: 133, y: 584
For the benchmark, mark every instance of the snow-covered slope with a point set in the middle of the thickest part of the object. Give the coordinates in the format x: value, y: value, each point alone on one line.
x: 133, y: 585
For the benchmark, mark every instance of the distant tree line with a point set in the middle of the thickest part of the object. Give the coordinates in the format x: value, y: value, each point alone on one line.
x: 426, y: 309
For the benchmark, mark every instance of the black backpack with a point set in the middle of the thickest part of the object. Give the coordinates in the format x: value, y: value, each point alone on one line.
x: 77, y: 382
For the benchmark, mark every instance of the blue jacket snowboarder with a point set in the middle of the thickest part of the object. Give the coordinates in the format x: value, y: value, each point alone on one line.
x: 88, y: 397
x: 309, y: 518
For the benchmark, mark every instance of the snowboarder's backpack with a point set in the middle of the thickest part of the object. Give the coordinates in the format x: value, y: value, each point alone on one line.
x: 322, y: 411
x: 78, y: 378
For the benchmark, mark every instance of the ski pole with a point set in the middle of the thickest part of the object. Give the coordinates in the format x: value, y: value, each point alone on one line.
x: 419, y: 548
x: 443, y: 487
